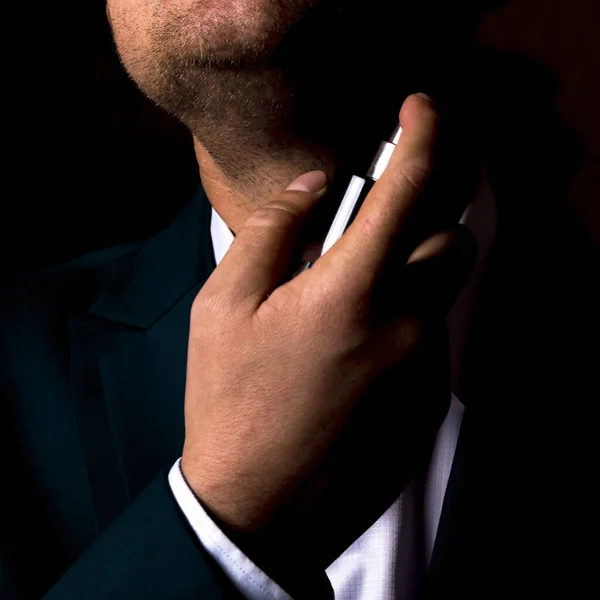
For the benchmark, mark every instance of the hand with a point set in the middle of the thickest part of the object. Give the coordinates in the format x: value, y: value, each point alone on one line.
x: 277, y: 373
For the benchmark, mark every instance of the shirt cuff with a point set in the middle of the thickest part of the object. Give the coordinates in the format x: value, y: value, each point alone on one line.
x: 252, y: 583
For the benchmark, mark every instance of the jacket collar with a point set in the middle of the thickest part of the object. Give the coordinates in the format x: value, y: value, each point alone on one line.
x: 164, y: 269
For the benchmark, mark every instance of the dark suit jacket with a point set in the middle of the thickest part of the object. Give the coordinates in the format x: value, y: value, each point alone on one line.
x: 93, y: 360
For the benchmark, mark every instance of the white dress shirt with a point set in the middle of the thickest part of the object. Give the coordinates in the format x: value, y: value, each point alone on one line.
x: 377, y: 565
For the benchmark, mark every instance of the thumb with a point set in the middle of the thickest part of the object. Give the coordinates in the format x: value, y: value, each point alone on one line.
x: 262, y: 250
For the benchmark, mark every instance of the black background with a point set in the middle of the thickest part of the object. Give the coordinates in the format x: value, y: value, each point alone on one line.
x: 82, y: 144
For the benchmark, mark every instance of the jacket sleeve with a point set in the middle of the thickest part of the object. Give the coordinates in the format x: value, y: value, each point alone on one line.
x: 150, y: 552
x: 253, y: 582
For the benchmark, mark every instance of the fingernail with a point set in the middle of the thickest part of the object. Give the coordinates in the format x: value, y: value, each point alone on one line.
x: 313, y: 181
x: 424, y: 96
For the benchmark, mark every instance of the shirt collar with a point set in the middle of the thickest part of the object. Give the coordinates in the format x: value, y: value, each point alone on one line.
x: 222, y: 236
x: 479, y: 217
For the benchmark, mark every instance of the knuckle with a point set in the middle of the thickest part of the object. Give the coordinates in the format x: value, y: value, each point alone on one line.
x: 279, y: 213
x: 411, y: 333
x: 416, y: 176
x: 344, y: 319
x: 281, y: 304
x: 402, y: 339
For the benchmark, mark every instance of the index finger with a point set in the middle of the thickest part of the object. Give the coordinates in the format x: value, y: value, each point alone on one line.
x: 358, y: 256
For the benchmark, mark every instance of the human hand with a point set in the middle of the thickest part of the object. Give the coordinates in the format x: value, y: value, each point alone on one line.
x: 277, y: 372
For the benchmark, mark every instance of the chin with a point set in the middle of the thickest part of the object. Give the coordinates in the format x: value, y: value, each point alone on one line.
x: 211, y: 31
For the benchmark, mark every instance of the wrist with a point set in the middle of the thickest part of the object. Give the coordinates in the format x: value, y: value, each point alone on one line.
x: 272, y: 550
x: 223, y: 498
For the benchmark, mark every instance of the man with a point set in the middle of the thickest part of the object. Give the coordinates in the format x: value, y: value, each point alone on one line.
x: 319, y: 427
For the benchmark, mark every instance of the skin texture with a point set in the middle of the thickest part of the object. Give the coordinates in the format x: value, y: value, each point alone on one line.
x: 302, y: 395
x: 288, y: 404
x: 275, y: 88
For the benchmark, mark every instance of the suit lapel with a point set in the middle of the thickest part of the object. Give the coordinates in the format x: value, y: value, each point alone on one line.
x: 163, y: 271
x: 128, y: 361
x: 106, y: 480
x: 143, y: 378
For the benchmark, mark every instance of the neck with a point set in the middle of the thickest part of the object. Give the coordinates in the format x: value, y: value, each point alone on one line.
x: 235, y: 200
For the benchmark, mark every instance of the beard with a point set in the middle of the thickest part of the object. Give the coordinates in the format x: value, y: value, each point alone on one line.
x: 317, y: 83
